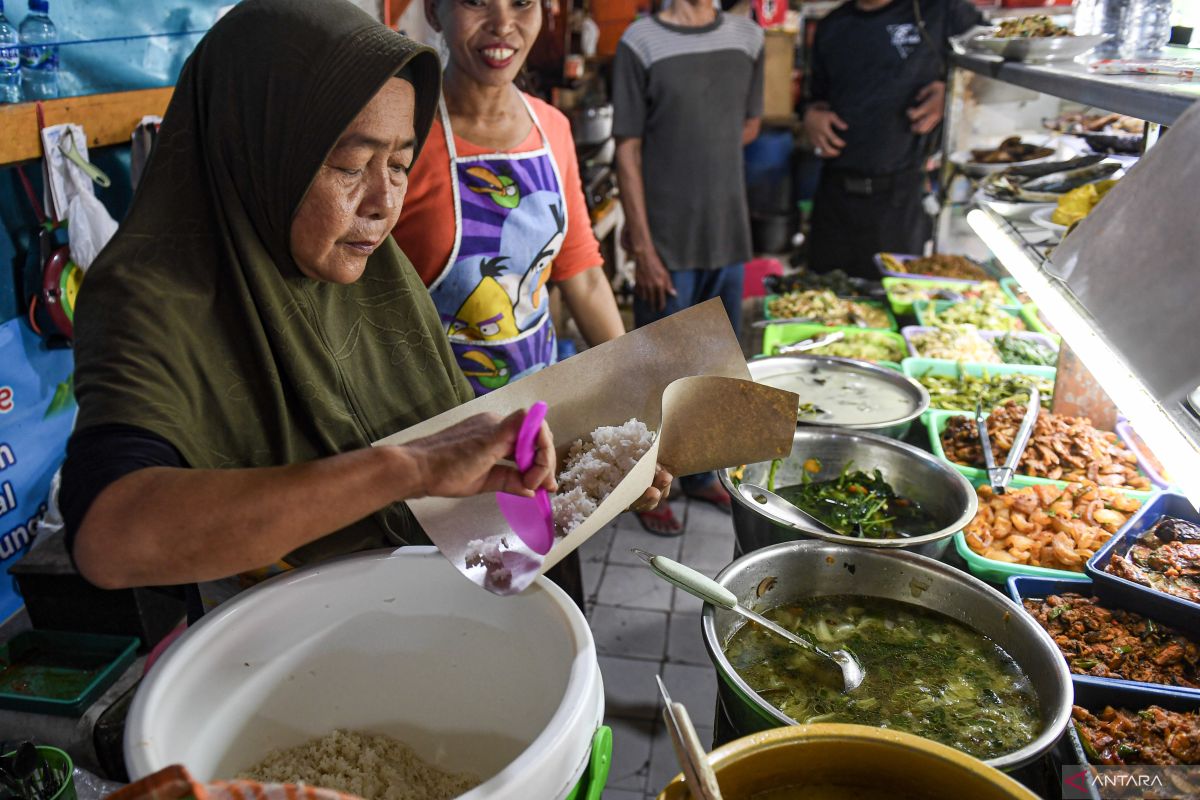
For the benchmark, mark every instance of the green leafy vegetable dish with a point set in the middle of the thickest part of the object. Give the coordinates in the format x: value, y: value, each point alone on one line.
x: 1023, y: 351
x: 983, y: 315
x: 925, y: 674
x: 864, y: 345
x: 959, y: 392
x: 857, y: 504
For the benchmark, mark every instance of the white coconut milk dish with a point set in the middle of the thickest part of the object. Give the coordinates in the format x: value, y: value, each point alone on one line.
x: 841, y: 392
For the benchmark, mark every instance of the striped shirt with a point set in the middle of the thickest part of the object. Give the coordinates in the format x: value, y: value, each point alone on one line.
x: 686, y: 92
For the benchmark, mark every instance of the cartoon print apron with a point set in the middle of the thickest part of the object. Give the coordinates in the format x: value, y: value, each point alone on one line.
x: 510, y: 221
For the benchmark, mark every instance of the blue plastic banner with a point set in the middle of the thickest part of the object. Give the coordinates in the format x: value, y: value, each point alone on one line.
x: 37, y: 412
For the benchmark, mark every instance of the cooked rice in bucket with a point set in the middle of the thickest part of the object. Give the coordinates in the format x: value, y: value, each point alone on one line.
x: 366, y: 765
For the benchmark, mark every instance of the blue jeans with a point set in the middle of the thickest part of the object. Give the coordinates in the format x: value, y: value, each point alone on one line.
x: 694, y: 286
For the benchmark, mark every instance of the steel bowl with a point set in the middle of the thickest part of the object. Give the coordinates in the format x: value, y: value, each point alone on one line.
x: 933, y: 483
x: 816, y: 569
x: 774, y: 366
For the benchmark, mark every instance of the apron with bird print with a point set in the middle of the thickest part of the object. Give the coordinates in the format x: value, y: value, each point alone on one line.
x: 510, y: 222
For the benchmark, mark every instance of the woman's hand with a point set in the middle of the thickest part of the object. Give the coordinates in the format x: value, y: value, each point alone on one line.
x: 463, y: 459
x: 659, y: 490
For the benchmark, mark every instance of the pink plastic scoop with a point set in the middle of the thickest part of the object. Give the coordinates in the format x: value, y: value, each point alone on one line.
x: 531, y: 518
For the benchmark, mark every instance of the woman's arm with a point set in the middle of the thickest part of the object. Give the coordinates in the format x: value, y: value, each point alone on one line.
x: 162, y: 525
x: 589, y: 297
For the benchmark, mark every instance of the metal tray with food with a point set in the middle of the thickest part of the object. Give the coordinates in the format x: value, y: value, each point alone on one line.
x: 982, y: 161
x: 1042, y: 185
x: 1134, y: 733
x: 1017, y: 533
x: 1110, y: 643
x: 1164, y: 537
x: 955, y: 386
x: 983, y: 315
x: 903, y: 292
x: 1061, y: 448
x: 865, y: 344
x: 1146, y: 460
x: 823, y: 307
x: 940, y: 266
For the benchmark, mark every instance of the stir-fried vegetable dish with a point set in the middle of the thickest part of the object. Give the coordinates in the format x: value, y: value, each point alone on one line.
x: 1013, y: 350
x: 858, y: 504
x: 827, y: 308
x: 960, y: 392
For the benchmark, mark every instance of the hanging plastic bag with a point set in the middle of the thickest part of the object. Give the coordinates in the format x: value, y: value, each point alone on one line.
x: 70, y: 191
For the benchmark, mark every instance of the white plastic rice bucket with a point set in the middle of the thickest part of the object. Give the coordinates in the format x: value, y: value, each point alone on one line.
x: 390, y: 643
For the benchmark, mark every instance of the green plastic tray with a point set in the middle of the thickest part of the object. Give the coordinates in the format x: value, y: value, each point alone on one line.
x: 1033, y: 321
x: 1011, y: 287
x: 936, y: 422
x: 921, y: 309
x: 892, y: 326
x: 920, y: 367
x: 790, y: 333
x: 904, y: 307
x: 53, y: 672
x: 1000, y: 571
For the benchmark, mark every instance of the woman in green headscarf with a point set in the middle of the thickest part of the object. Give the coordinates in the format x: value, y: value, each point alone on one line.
x: 253, y: 327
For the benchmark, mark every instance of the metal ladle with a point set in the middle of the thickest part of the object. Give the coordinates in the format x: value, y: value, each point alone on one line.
x: 782, y: 511
x: 710, y: 591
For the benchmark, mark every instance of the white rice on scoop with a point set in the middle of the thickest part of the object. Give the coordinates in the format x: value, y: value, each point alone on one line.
x: 594, y: 468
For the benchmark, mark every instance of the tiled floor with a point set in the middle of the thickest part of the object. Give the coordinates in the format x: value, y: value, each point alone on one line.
x: 643, y: 626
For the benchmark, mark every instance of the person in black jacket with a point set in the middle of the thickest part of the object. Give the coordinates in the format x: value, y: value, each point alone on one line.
x: 877, y: 94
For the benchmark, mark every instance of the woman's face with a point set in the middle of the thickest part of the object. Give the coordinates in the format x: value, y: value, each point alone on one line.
x: 488, y: 40
x: 356, y: 197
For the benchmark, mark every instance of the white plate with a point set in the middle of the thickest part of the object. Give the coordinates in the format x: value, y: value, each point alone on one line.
x: 1042, y: 217
x: 1017, y: 212
x: 1037, y: 49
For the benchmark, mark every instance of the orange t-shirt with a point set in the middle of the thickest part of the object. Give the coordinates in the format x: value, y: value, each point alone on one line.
x: 425, y: 231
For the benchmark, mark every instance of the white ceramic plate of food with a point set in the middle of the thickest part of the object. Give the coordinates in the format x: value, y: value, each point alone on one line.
x: 1042, y: 218
x: 1015, y: 211
x: 1034, y: 49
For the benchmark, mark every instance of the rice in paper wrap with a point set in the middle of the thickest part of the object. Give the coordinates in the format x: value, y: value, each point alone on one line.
x: 684, y: 376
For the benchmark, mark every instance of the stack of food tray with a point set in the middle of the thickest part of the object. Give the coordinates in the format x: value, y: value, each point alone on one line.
x: 1133, y: 650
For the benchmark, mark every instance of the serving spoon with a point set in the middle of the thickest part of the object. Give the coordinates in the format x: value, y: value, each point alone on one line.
x: 710, y: 591
x: 783, y: 512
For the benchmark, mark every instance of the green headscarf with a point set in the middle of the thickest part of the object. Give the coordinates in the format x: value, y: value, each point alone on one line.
x: 195, y: 323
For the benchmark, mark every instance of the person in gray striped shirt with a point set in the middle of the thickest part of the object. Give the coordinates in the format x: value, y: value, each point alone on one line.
x: 687, y: 96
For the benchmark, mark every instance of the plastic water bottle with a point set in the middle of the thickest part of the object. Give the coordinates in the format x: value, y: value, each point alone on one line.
x: 1147, y: 27
x: 1109, y: 17
x: 10, y: 61
x: 1086, y: 20
x: 39, y: 56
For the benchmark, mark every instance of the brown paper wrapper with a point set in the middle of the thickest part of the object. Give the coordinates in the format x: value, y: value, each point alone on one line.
x: 684, y: 376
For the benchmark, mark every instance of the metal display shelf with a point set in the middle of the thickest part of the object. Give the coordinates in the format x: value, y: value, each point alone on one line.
x: 1037, y: 245
x: 1154, y: 98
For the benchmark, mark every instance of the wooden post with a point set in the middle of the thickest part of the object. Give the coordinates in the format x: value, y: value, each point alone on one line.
x: 1077, y: 394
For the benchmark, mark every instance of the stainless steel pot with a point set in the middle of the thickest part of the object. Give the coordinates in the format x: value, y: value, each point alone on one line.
x: 935, y: 485
x: 592, y: 124
x: 815, y: 569
x: 775, y: 366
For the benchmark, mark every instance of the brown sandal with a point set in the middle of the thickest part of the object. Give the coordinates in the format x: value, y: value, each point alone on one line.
x: 661, y: 521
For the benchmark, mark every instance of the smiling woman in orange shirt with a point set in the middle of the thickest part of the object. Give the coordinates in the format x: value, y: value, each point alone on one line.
x: 495, y: 210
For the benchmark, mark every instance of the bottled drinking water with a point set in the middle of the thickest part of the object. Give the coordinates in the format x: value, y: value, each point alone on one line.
x: 39, y: 56
x: 1147, y: 27
x: 1086, y: 21
x: 10, y: 61
x: 1107, y: 16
